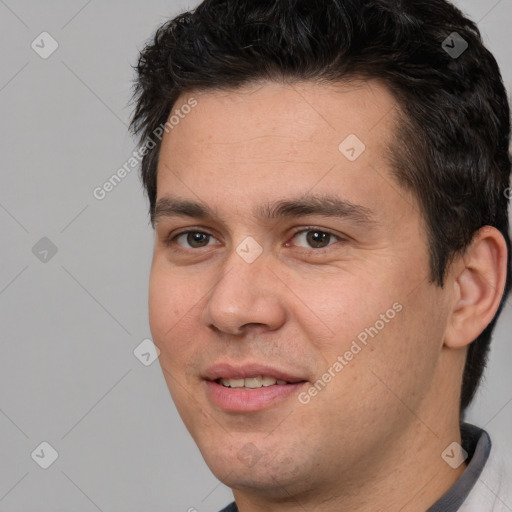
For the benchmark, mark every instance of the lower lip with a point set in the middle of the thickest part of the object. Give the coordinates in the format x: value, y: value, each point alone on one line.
x: 249, y: 400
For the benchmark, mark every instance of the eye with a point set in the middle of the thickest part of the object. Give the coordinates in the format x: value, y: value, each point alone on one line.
x: 194, y: 239
x: 316, y: 238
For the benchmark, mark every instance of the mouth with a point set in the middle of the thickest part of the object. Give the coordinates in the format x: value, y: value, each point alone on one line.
x: 249, y: 388
x: 260, y: 381
x: 249, y: 375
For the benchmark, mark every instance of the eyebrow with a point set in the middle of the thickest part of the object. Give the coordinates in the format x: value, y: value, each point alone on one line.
x: 308, y: 204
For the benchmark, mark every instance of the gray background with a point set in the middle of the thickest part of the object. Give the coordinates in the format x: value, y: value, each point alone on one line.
x: 68, y: 375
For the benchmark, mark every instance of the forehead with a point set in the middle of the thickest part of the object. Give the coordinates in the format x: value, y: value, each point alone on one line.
x: 308, y: 113
x: 269, y: 139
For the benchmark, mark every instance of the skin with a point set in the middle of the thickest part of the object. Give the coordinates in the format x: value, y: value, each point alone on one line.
x: 372, y: 438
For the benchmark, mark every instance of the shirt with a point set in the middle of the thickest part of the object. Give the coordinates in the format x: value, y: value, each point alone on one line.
x: 484, y: 485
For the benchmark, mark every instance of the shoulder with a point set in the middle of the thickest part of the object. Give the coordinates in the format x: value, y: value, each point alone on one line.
x: 493, y: 490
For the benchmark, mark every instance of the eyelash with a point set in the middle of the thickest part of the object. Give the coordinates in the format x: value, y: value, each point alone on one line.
x: 171, y: 240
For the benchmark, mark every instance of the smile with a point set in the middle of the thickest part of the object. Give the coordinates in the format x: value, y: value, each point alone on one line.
x: 252, y: 382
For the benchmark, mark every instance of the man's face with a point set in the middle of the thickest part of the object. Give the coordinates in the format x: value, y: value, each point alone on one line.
x: 259, y: 290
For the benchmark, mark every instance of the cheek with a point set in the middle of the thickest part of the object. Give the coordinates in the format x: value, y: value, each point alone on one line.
x: 160, y: 303
x: 168, y: 303
x: 406, y: 352
x: 379, y: 325
x: 168, y: 307
x: 338, y: 310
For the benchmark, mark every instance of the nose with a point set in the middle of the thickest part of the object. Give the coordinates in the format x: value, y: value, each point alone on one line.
x: 247, y: 296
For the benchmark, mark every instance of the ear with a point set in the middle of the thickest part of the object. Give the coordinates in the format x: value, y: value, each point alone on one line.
x: 478, y: 278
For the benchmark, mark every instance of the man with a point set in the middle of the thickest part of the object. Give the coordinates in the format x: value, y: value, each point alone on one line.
x: 328, y: 186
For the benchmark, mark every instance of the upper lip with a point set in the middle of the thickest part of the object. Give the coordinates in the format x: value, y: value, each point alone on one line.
x: 243, y: 371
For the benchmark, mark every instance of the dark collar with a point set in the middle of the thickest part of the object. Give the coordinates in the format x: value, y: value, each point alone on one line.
x: 477, y: 444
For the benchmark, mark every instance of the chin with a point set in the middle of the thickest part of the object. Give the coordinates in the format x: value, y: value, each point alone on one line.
x: 243, y: 467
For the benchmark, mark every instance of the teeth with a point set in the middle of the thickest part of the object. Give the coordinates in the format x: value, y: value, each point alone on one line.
x: 268, y: 381
x: 233, y: 383
x: 252, y: 382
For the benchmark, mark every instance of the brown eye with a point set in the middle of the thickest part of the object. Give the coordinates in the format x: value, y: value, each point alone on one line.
x: 196, y: 237
x: 193, y: 239
x: 315, y: 238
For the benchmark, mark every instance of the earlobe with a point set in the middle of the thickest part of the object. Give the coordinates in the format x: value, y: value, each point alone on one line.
x: 479, y: 282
